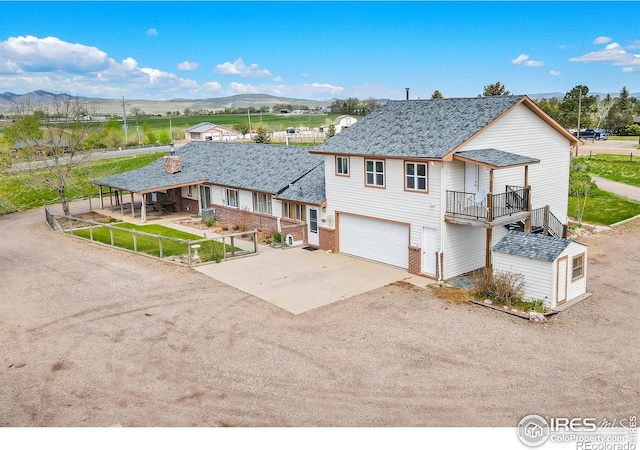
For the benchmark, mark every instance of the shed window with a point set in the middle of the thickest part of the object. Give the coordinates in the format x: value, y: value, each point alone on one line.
x: 577, y: 267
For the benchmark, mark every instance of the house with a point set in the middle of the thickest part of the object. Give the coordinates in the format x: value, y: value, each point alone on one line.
x: 340, y: 123
x: 432, y: 185
x: 206, y: 131
x: 265, y: 186
x: 554, y: 270
x: 637, y: 120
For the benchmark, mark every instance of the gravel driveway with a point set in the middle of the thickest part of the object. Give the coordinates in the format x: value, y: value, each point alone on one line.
x: 91, y: 336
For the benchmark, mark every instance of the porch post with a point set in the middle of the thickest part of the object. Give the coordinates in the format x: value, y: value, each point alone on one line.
x: 121, y: 198
x: 101, y: 199
x: 527, y: 222
x: 111, y: 198
x: 143, y: 209
x: 487, y: 252
x: 133, y: 207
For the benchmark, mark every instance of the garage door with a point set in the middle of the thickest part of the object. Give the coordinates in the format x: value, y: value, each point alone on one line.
x: 378, y: 240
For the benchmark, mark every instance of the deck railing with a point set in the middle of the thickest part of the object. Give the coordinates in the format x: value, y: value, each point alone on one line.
x: 515, y: 199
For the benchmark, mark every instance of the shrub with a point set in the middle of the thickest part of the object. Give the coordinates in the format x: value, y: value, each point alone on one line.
x: 277, y: 237
x: 504, y: 288
x: 209, y: 221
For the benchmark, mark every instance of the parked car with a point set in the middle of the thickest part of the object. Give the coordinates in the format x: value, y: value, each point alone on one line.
x: 592, y: 133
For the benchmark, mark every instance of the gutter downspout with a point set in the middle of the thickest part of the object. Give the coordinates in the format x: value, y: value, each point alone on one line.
x: 443, y: 200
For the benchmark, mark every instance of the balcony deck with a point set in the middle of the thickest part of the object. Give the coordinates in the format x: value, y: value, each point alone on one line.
x: 494, y: 209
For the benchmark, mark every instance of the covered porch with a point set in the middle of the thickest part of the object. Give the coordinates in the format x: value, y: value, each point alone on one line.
x: 497, y: 206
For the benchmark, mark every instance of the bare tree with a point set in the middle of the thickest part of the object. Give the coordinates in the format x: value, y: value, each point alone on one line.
x: 52, y: 152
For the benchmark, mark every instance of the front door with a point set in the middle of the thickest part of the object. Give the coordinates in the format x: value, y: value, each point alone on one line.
x: 205, y: 197
x: 429, y: 248
x: 561, y: 282
x: 471, y: 178
x: 312, y: 226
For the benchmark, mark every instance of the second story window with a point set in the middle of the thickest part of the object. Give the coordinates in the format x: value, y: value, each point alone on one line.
x: 374, y: 172
x: 342, y: 165
x: 415, y: 176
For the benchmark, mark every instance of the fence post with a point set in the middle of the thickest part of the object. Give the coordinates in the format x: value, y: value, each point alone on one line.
x: 255, y: 242
x: 233, y: 247
x: 135, y: 241
x: 111, y: 233
x: 90, y: 207
x: 631, y: 157
x: 91, y: 232
x: 224, y: 248
x: 189, y: 251
x: 160, y: 245
x: 70, y: 224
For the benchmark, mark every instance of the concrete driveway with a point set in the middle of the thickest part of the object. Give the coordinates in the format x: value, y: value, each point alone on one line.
x: 299, y: 280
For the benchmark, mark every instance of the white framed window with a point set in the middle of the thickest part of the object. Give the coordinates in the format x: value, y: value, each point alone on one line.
x: 189, y: 191
x: 416, y: 177
x: 374, y: 169
x: 232, y: 197
x: 342, y: 165
x: 577, y: 267
x: 262, y: 202
x: 293, y: 211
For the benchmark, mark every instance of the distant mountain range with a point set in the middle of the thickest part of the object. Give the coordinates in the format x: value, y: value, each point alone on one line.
x: 114, y: 106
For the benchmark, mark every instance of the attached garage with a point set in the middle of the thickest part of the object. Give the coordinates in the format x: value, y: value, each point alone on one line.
x: 374, y: 239
x: 554, y: 269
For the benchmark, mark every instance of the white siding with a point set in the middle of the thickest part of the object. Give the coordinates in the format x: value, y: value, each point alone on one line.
x: 522, y: 132
x: 464, y: 249
x: 539, y: 276
x: 578, y: 287
x: 349, y: 195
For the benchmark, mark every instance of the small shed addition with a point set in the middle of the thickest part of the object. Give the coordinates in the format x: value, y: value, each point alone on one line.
x: 554, y: 269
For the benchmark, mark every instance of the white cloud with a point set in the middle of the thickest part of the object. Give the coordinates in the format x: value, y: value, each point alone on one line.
x: 523, y: 60
x: 277, y: 79
x: 613, y: 54
x: 213, y: 86
x: 238, y: 67
x: 634, y: 44
x: 554, y: 73
x: 304, y: 75
x: 324, y: 87
x: 602, y: 40
x: 152, y: 32
x: 187, y: 65
x: 562, y: 46
x: 243, y: 88
x: 31, y: 54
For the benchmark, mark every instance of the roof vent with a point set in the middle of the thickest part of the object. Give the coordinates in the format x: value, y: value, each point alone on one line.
x: 172, y: 164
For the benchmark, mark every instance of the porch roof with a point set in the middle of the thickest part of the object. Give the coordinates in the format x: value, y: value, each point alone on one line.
x: 494, y: 159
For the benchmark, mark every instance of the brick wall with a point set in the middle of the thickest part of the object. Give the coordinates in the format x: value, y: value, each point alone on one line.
x: 190, y: 205
x: 415, y: 260
x: 327, y: 238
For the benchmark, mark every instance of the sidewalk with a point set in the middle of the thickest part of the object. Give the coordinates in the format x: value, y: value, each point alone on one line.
x: 617, y: 188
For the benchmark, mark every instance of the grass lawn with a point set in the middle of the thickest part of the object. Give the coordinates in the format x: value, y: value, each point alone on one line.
x: 19, y: 192
x: 210, y: 251
x: 615, y: 167
x: 605, y: 208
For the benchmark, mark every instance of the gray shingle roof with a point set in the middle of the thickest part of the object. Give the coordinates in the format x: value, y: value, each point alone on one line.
x: 496, y: 158
x: 536, y: 246
x: 419, y: 128
x: 308, y: 189
x: 256, y: 167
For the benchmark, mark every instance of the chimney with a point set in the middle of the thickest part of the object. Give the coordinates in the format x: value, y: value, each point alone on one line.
x: 407, y: 93
x: 172, y: 164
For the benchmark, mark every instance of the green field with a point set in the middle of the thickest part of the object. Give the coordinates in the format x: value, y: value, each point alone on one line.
x: 210, y: 250
x: 271, y: 121
x: 19, y: 191
x: 620, y: 168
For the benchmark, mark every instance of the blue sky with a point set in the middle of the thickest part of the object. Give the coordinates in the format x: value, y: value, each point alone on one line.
x: 317, y: 50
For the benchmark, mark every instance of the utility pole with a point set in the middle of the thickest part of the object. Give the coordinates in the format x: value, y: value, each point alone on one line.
x: 124, y: 125
x: 249, y: 115
x: 170, y: 129
x: 579, y: 108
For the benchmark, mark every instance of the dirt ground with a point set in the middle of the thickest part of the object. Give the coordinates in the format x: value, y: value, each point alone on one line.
x: 91, y: 336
